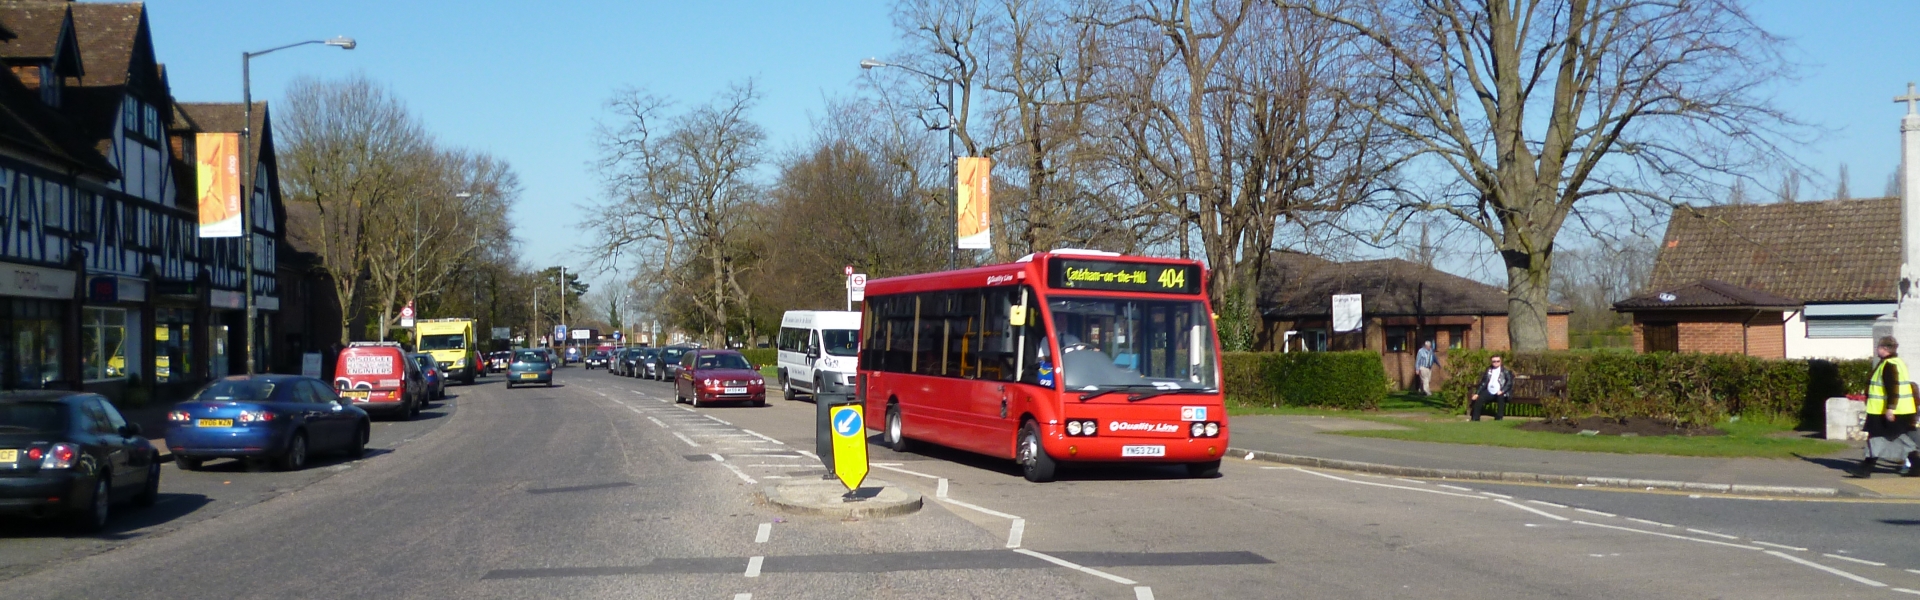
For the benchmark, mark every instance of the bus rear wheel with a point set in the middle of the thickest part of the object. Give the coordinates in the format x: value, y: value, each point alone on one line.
x: 1034, y: 462
x: 894, y: 435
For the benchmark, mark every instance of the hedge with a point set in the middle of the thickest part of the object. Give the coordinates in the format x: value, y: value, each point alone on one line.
x: 1689, y: 387
x: 761, y: 356
x: 1348, y: 380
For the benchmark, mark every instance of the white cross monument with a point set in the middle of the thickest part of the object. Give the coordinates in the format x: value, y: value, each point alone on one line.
x: 1906, y: 329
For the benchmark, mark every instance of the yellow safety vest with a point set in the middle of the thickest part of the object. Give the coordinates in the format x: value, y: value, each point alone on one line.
x: 1877, y: 394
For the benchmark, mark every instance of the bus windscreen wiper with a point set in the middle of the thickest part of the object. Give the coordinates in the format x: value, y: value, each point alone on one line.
x: 1111, y: 389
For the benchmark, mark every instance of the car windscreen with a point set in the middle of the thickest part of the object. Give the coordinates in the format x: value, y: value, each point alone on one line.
x: 531, y: 356
x: 447, y: 341
x: 722, y: 361
x: 841, y: 342
x: 672, y: 354
x: 236, y: 391
x: 33, y: 417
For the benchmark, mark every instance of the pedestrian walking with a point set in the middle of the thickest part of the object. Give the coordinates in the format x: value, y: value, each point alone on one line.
x: 1890, y: 410
x: 1423, y: 364
x: 1496, y: 386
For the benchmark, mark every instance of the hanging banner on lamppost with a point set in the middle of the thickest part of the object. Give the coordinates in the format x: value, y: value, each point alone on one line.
x: 217, y: 157
x: 975, y: 198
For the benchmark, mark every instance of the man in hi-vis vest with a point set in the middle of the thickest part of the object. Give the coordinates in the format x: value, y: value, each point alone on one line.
x: 1890, y: 411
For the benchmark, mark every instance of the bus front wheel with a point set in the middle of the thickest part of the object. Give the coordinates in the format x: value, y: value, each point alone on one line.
x: 1034, y: 462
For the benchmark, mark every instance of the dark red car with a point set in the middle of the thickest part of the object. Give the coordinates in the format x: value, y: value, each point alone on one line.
x: 708, y: 376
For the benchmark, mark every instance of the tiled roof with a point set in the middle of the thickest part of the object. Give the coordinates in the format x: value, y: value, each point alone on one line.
x: 32, y: 31
x: 1707, y: 294
x: 1812, y: 252
x: 1299, y: 285
x: 29, y: 126
x: 108, y: 34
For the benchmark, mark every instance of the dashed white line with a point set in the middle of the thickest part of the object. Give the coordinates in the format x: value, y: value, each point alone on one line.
x: 1388, y: 485
x: 717, y: 419
x: 1714, y: 534
x: 1094, y: 572
x: 1143, y: 593
x: 657, y: 422
x: 1501, y: 496
x: 718, y: 458
x: 981, y: 509
x: 737, y: 471
x: 743, y: 597
x: 1454, y: 487
x: 685, y: 439
x: 1408, y: 480
x: 1913, y: 571
x: 1595, y: 512
x: 766, y: 531
x: 1546, y: 503
x: 1826, y: 568
x: 1852, y: 559
x: 1669, y: 535
x: 753, y: 565
x: 914, y: 473
x: 757, y: 434
x: 1018, y: 531
x: 1655, y: 523
x: 941, y: 492
x: 1906, y: 591
x: 1530, y: 509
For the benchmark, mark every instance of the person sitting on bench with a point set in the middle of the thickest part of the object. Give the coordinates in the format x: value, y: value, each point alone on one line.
x: 1495, y: 385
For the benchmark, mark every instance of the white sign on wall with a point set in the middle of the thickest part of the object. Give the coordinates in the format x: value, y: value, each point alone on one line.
x: 1346, y: 313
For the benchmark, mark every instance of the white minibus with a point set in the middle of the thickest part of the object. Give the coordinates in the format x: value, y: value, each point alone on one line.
x: 817, y: 349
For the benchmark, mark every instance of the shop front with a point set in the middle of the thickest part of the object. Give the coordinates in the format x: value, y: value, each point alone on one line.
x: 33, y: 311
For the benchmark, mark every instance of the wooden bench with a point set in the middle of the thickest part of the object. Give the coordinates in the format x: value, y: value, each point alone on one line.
x: 1531, y: 389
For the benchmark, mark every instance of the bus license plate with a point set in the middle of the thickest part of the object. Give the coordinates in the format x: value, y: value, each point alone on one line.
x: 736, y: 390
x: 1143, y: 450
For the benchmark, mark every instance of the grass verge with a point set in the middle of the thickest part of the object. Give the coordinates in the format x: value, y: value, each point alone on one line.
x: 1743, y: 439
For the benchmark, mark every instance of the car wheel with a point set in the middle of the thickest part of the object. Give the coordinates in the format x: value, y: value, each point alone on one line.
x: 762, y: 401
x: 509, y: 385
x: 360, y: 435
x: 187, y: 463
x: 1204, y: 470
x: 94, y: 517
x: 1034, y: 462
x: 295, y: 458
x: 694, y: 400
x: 894, y: 435
x: 150, y: 493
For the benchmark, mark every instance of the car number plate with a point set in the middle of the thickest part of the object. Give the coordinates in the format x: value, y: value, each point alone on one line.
x: 738, y: 390
x: 1143, y: 450
x: 9, y: 456
x: 216, y: 422
x: 529, y: 375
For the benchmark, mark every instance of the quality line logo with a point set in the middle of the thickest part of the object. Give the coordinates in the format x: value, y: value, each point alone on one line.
x: 1147, y: 427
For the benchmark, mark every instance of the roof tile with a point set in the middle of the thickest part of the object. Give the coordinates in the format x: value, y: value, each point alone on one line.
x: 1828, y: 251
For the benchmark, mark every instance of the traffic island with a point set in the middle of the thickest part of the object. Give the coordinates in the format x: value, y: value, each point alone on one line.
x: 828, y: 498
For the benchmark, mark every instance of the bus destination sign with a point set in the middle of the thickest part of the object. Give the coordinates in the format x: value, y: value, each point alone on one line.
x: 1124, y: 277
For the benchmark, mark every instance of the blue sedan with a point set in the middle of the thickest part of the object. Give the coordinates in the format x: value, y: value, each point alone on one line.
x: 282, y: 418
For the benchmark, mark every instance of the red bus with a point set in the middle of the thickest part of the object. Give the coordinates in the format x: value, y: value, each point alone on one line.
x: 1068, y: 356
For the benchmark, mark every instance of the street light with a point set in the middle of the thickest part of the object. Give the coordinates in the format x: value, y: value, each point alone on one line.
x: 246, y: 158
x: 953, y: 170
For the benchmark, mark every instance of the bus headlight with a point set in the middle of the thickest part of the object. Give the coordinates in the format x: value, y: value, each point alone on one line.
x: 1213, y: 429
x: 1073, y: 428
x: 1198, y: 430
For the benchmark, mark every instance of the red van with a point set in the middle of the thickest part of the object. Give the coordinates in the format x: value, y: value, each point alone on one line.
x: 380, y: 379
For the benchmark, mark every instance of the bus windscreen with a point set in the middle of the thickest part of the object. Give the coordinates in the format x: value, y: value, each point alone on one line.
x: 1125, y: 343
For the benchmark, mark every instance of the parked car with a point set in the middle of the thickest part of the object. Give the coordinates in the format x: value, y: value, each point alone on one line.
x: 529, y: 367
x: 379, y: 378
x: 623, y: 361
x: 71, y: 455
x: 279, y: 418
x: 572, y: 356
x: 667, y: 366
x: 597, y: 359
x: 436, y: 378
x: 708, y: 376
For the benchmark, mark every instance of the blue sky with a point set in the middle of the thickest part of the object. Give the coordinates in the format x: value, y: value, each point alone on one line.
x: 526, y: 80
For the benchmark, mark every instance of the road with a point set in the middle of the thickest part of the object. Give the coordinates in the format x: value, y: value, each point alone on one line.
x: 602, y: 487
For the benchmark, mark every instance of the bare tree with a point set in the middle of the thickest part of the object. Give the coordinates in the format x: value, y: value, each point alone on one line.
x: 455, y: 211
x: 1542, y: 106
x: 677, y: 189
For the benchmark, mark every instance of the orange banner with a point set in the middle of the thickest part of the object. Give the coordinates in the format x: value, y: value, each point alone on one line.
x: 975, y: 198
x: 218, y: 157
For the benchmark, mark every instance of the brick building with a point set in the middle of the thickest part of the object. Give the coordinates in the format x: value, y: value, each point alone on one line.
x: 1403, y: 303
x: 1825, y: 270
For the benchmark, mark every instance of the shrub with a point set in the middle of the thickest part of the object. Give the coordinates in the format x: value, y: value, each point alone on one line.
x: 1347, y: 380
x: 761, y: 356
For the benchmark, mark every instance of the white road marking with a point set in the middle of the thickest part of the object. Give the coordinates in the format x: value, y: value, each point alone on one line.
x: 1501, y: 496
x: 1595, y: 512
x: 1143, y: 593
x: 1531, y: 509
x: 1852, y: 559
x: 1669, y: 535
x: 1826, y: 568
x: 1907, y: 591
x: 743, y: 597
x: 721, y: 435
x: 1454, y: 487
x: 1796, y: 548
x: 756, y: 434
x: 1718, y: 535
x: 717, y: 419
x: 1408, y: 480
x: 684, y: 439
x: 1094, y: 572
x: 753, y: 565
x: 1018, y: 531
x: 941, y: 492
x: 1388, y: 485
x: 915, y: 473
x: 981, y: 509
x: 1914, y: 571
x: 1545, y: 503
x: 737, y: 471
x: 809, y: 454
x: 1655, y: 523
x: 657, y: 422
x: 772, y: 465
x: 766, y: 531
x: 718, y: 458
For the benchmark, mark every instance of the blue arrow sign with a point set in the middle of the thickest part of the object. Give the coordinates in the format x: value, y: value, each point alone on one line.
x: 848, y: 423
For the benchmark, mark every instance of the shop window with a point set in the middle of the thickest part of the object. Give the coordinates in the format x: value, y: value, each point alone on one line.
x: 1396, y: 339
x: 173, y: 345
x: 103, y: 343
x: 33, y: 345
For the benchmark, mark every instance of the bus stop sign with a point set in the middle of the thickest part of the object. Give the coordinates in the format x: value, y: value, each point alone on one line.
x: 849, y: 445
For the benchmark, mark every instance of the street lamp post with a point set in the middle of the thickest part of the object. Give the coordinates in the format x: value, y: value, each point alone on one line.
x: 953, y: 170
x: 246, y: 159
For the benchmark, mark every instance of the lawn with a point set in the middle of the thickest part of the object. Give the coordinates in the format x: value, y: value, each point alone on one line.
x: 1743, y: 439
